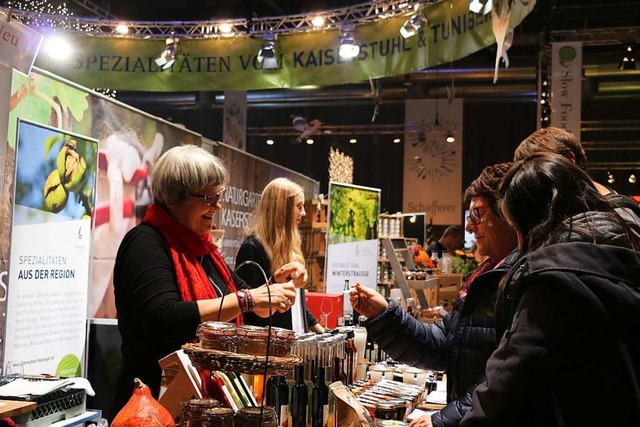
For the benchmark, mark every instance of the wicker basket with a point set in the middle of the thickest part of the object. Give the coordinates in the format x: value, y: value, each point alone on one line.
x: 249, y: 364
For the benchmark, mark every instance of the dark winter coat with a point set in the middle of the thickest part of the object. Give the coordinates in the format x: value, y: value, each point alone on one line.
x: 570, y: 354
x: 461, y: 344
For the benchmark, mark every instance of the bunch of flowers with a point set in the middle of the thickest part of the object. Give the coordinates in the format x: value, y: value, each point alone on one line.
x: 463, y: 262
x: 420, y: 258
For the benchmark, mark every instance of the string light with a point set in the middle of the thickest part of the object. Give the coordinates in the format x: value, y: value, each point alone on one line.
x: 353, y: 140
x: 545, y: 108
x: 270, y: 142
x: 396, y: 140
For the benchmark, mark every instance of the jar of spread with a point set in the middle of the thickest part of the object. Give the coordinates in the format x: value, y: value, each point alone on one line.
x: 253, y: 340
x: 254, y: 416
x: 282, y: 343
x: 386, y: 410
x: 401, y: 408
x: 217, y: 336
x: 193, y: 410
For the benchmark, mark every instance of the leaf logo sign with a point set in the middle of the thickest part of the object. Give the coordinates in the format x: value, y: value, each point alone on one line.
x: 566, y: 54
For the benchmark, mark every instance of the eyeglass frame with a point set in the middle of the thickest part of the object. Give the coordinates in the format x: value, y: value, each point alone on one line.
x: 206, y: 197
x: 480, y: 215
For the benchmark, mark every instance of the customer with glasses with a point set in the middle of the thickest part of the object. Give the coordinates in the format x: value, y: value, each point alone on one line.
x: 462, y: 342
x: 275, y: 240
x: 169, y: 275
x: 568, y: 314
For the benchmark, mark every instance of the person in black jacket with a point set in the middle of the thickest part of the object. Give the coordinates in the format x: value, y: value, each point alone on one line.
x: 567, y: 314
x: 464, y: 340
x: 559, y: 141
x: 169, y: 276
x: 275, y: 240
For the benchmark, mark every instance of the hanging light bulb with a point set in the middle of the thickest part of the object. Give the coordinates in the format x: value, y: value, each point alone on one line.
x: 628, y: 61
x: 450, y: 137
x: 348, y: 47
x: 610, y: 178
x: 632, y: 178
x: 413, y: 24
x: 267, y: 54
x: 168, y: 55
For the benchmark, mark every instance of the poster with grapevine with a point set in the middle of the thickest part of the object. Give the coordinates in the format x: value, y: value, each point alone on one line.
x: 55, y: 174
x: 354, y: 213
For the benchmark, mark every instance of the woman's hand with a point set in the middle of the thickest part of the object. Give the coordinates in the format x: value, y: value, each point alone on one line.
x: 291, y: 271
x: 367, y: 302
x: 423, y: 421
x: 283, y: 295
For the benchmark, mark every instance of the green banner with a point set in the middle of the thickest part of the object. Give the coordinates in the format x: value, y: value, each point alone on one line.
x: 452, y: 32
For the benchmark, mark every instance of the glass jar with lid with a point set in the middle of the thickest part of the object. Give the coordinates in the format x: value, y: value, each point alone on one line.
x: 282, y: 343
x: 253, y: 340
x: 217, y: 336
x: 193, y: 410
x: 386, y: 410
x: 217, y: 417
x: 254, y: 416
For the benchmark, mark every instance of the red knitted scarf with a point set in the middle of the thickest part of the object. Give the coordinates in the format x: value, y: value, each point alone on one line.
x: 186, y: 249
x: 484, y: 266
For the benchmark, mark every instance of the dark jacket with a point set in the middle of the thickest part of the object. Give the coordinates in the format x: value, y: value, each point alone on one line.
x: 461, y: 344
x: 252, y: 250
x: 153, y: 320
x: 570, y: 354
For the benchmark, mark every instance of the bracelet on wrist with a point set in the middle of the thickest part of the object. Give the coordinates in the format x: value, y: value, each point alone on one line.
x: 242, y: 300
x: 251, y: 304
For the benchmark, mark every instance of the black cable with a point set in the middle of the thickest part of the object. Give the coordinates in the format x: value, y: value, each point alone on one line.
x: 266, y: 360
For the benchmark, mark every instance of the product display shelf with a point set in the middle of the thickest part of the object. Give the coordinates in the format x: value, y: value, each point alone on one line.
x: 397, y: 252
x: 313, y: 232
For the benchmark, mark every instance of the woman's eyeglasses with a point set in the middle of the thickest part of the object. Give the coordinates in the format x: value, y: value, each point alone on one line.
x: 475, y: 215
x: 210, y: 200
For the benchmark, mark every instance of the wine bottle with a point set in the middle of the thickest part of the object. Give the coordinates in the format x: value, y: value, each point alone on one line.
x: 283, y: 401
x: 299, y: 394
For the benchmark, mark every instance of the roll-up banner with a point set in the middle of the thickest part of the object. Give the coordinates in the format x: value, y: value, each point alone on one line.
x: 566, y: 86
x: 352, y: 238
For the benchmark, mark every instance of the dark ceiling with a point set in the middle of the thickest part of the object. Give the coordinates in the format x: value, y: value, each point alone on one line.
x: 496, y: 116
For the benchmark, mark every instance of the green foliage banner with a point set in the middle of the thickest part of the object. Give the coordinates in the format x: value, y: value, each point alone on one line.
x: 452, y: 32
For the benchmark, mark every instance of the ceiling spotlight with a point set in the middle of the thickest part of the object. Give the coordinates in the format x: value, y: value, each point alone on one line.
x: 628, y: 61
x: 396, y: 140
x: 353, y: 140
x: 413, y: 24
x: 267, y: 54
x: 318, y: 21
x: 309, y: 141
x: 348, y: 47
x: 168, y: 55
x: 476, y: 6
x: 610, y: 178
x: 450, y: 137
x: 58, y: 47
x: 632, y: 178
x: 225, y: 29
x: 122, y: 29
x: 270, y: 142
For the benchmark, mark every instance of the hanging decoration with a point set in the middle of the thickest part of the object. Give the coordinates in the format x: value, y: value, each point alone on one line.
x: 500, y: 17
x: 375, y: 95
x: 308, y: 129
x: 340, y: 166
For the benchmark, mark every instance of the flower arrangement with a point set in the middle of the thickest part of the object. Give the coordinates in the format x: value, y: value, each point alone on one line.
x: 464, y: 262
x: 420, y: 258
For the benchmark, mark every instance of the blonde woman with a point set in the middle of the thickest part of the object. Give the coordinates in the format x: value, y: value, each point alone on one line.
x: 274, y: 241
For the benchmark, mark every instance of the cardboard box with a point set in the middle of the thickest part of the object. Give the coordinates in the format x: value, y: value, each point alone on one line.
x: 327, y: 308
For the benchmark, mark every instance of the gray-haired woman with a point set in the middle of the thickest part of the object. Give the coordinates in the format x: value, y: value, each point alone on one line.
x: 169, y: 276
